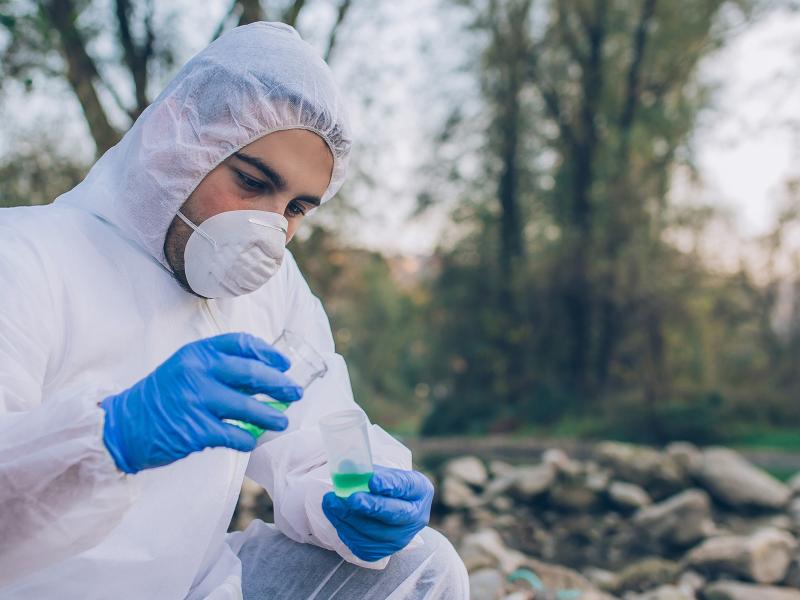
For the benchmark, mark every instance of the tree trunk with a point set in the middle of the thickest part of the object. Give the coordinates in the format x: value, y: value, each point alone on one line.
x: 81, y: 71
x: 578, y: 297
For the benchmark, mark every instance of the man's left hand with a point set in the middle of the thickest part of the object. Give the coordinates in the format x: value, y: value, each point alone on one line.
x: 384, y: 521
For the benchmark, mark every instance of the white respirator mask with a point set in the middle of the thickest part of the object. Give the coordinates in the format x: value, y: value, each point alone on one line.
x: 234, y: 252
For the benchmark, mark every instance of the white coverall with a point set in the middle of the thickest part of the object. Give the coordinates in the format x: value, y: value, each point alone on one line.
x: 88, y: 307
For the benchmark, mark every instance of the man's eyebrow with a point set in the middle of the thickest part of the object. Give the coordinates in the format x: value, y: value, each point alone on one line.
x: 270, y: 173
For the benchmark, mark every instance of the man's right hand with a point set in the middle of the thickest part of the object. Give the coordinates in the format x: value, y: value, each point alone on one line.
x: 179, y: 408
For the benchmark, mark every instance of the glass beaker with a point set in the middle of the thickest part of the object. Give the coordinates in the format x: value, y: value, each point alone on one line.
x: 307, y: 365
x: 346, y: 440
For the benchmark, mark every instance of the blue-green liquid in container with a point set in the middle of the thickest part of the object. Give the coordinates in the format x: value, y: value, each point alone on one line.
x: 345, y: 484
x: 254, y: 430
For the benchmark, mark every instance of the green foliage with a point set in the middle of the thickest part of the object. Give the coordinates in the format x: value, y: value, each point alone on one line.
x: 377, y: 325
x: 601, y: 315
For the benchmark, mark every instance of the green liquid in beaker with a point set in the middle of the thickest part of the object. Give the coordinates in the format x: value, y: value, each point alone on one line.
x: 345, y: 484
x: 252, y: 429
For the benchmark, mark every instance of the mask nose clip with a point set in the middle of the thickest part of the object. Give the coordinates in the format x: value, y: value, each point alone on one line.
x: 255, y: 221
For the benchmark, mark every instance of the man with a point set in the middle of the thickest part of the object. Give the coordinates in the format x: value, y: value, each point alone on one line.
x: 121, y: 365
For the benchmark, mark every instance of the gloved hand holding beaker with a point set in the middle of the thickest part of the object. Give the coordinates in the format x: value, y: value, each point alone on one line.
x: 377, y: 524
x: 179, y: 408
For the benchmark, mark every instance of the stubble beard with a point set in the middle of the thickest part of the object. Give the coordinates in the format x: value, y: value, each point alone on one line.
x: 175, y: 242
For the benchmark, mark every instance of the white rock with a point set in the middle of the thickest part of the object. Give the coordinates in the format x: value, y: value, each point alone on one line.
x: 521, y: 595
x: 469, y: 469
x: 628, y: 495
x: 499, y: 486
x: 691, y: 582
x: 498, y: 468
x: 602, y: 578
x: 560, y: 460
x: 530, y: 482
x: 794, y: 484
x: 502, y: 504
x: 485, y: 548
x: 763, y: 557
x: 731, y: 590
x: 794, y: 512
x: 486, y: 584
x: 733, y: 481
x: 662, y: 592
x: 678, y: 521
x: 655, y: 471
x: 457, y: 494
x: 686, y: 455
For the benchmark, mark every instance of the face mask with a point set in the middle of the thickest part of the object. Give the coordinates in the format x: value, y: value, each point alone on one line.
x: 234, y: 252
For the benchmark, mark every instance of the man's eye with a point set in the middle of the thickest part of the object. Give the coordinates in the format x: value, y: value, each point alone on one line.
x: 295, y: 209
x: 249, y: 183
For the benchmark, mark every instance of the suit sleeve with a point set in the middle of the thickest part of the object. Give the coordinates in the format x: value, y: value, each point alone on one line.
x: 60, y: 491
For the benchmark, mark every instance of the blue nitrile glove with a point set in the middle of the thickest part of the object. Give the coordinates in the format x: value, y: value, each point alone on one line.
x: 179, y: 408
x: 384, y: 521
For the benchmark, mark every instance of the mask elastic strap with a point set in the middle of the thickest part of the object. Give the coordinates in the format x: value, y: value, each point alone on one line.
x: 197, y: 229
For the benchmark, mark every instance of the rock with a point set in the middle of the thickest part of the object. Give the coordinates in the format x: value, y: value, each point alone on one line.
x: 573, y: 496
x: 655, y: 471
x: 792, y: 578
x: 628, y: 496
x: 687, y: 456
x: 560, y: 460
x: 597, y: 480
x: 453, y: 527
x: 679, y: 521
x: 498, y: 487
x: 735, y: 482
x: 555, y: 577
x: 662, y: 592
x: 531, y: 482
x: 486, y: 584
x: 521, y: 595
x: 486, y: 548
x: 499, y: 468
x: 691, y: 582
x: 763, y: 557
x: 647, y: 574
x: 731, y: 590
x: 603, y: 579
x: 457, y: 494
x: 794, y: 512
x: 794, y: 484
x: 468, y: 469
x: 784, y: 522
x: 502, y: 504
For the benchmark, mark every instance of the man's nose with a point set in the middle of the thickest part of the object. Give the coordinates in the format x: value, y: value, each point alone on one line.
x: 276, y: 204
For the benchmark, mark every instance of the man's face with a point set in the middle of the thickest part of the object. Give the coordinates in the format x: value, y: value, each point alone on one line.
x: 285, y: 172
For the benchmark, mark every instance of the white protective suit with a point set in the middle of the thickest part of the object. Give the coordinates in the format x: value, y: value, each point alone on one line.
x: 88, y: 307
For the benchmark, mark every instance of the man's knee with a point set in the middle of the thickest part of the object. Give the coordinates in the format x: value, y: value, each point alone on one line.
x: 445, y: 565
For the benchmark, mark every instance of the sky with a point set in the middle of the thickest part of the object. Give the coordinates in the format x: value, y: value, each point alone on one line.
x: 745, y: 148
x: 748, y: 147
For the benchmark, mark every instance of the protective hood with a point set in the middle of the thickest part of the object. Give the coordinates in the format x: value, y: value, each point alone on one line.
x: 252, y: 81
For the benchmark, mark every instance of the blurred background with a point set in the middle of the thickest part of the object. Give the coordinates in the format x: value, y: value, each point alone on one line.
x: 567, y: 221
x: 574, y: 219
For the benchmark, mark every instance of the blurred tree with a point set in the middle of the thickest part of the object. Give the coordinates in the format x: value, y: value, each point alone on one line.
x: 57, y: 38
x: 607, y: 91
x: 377, y: 324
x: 35, y: 173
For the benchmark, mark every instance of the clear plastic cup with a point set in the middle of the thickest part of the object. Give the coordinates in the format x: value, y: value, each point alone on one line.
x: 346, y: 440
x: 307, y: 365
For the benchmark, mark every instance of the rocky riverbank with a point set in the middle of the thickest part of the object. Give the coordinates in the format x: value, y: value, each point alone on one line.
x: 624, y: 522
x: 621, y: 521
